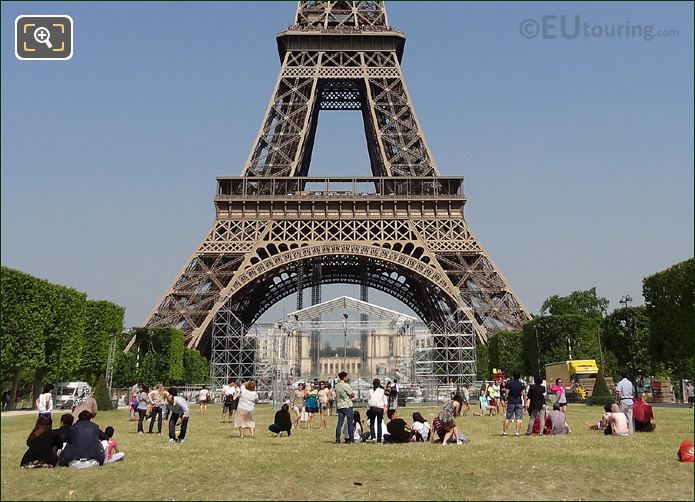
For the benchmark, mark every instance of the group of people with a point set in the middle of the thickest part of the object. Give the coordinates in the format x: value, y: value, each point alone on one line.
x: 382, y: 403
x: 629, y: 414
x: 159, y: 405
x: 305, y: 402
x: 77, y: 442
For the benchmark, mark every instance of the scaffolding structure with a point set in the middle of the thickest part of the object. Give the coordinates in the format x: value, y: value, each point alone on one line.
x: 438, y: 357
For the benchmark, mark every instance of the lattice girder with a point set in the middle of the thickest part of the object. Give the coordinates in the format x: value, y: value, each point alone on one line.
x: 272, y: 231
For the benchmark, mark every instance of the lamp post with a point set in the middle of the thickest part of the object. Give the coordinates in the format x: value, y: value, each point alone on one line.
x: 345, y: 318
x: 625, y: 300
x: 538, y: 347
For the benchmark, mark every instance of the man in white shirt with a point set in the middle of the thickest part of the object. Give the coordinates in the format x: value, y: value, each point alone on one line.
x: 179, y: 409
x: 626, y: 392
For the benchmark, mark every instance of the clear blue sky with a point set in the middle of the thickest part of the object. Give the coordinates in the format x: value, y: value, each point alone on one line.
x: 577, y: 154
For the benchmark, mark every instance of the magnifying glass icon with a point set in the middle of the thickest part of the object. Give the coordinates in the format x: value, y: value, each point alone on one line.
x: 43, y: 36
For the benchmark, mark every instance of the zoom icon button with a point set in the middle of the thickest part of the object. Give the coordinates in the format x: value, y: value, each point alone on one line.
x: 43, y: 37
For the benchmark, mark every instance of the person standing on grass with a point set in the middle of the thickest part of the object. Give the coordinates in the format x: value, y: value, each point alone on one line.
x: 393, y: 398
x: 560, y: 391
x: 535, y: 404
x: 324, y: 396
x: 344, y: 397
x: 158, y: 399
x: 626, y: 393
x: 690, y: 393
x: 179, y: 409
x: 331, y: 397
x: 466, y: 396
x: 311, y: 402
x: 203, y: 397
x: 143, y: 403
x: 298, y: 403
x: 248, y: 397
x: 377, y: 407
x: 44, y: 403
x: 515, y: 405
x: 227, y: 398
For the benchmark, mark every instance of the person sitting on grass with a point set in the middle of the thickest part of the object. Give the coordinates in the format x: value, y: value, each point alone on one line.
x: 613, y: 422
x: 110, y: 445
x: 43, y: 442
x: 486, y: 408
x: 357, y: 428
x: 282, y: 422
x: 558, y: 421
x: 603, y: 423
x: 421, y: 429
x: 643, y: 414
x: 399, y: 431
x: 84, y: 447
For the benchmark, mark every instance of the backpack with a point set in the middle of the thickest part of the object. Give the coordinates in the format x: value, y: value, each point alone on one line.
x: 685, y: 452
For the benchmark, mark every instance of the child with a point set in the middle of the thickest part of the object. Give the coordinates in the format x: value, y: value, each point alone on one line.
x: 111, y: 451
x: 133, y: 407
x: 357, y: 428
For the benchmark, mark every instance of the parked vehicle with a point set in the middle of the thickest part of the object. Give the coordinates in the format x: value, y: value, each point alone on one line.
x: 66, y: 392
x: 579, y: 375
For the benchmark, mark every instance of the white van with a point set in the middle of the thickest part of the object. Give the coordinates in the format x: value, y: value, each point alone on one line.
x: 66, y: 392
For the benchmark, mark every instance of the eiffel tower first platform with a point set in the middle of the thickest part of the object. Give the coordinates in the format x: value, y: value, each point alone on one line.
x: 278, y: 231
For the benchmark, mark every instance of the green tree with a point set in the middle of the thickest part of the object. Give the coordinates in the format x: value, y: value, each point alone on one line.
x: 175, y: 356
x: 124, y: 369
x: 482, y: 360
x: 506, y: 351
x: 101, y: 394
x: 549, y: 339
x: 196, y: 367
x: 102, y: 319
x: 578, y: 302
x: 601, y: 394
x: 25, y: 315
x: 626, y: 336
x: 159, y: 352
x: 670, y: 301
x: 64, y: 336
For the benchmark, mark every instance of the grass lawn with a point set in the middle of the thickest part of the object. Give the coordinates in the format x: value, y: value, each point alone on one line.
x: 214, y: 463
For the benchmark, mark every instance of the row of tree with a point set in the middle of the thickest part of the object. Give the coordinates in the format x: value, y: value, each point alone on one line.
x: 655, y: 339
x: 53, y: 333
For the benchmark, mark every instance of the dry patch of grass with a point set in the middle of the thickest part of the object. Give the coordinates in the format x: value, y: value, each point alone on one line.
x: 214, y: 463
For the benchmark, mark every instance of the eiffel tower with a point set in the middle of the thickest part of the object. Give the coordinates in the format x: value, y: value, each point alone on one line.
x: 278, y: 231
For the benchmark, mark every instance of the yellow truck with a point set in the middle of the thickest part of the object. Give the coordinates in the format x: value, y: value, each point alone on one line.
x: 579, y: 374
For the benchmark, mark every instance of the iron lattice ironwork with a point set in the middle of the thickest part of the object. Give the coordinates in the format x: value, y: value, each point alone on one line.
x: 278, y: 231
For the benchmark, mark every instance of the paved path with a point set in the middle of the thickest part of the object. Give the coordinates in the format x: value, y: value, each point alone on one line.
x: 19, y: 413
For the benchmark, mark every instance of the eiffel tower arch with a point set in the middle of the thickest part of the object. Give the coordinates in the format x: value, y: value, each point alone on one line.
x: 277, y: 230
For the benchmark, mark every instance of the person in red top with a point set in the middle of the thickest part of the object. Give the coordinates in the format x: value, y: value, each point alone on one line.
x: 643, y: 415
